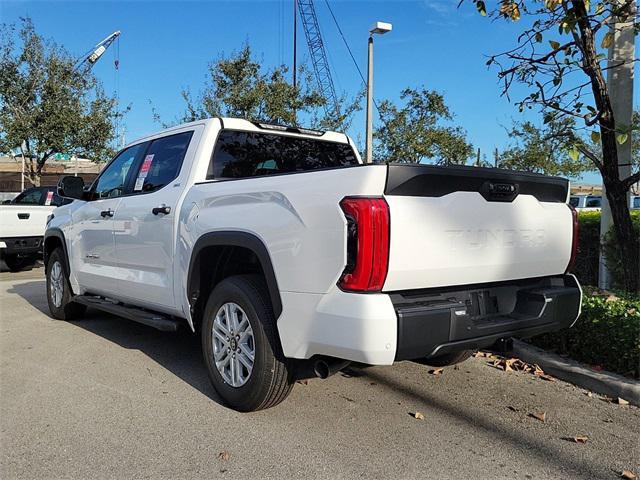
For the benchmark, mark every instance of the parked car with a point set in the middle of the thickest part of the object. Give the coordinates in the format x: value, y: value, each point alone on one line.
x: 634, y: 202
x: 586, y: 202
x: 289, y: 257
x: 23, y: 222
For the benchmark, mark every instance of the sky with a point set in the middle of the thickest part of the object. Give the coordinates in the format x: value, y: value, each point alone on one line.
x: 166, y: 46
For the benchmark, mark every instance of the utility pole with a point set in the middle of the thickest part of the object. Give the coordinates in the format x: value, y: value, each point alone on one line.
x: 369, y: 147
x: 295, y: 37
x: 620, y: 83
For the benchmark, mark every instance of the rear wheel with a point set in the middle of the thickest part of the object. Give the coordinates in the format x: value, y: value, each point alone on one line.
x: 59, y: 295
x: 241, y: 347
x: 448, y: 358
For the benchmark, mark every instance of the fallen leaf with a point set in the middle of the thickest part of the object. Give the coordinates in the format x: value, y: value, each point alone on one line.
x: 542, y: 416
x: 436, y: 371
x: 418, y: 416
x: 622, y: 401
x: 224, y: 456
x: 581, y: 439
x: 537, y: 371
x: 548, y: 378
x: 513, y: 409
x: 628, y: 474
x: 303, y: 382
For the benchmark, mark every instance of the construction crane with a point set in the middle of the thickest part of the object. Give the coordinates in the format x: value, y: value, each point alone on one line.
x: 90, y: 58
x: 318, y: 55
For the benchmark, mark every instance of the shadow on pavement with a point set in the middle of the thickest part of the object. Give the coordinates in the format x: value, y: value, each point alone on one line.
x: 178, y: 352
x: 579, y: 466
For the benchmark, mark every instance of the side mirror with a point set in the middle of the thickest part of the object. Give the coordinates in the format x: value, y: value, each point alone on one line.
x: 71, y: 187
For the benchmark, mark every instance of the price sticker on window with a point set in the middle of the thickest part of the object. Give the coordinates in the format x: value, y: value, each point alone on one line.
x: 49, y: 198
x: 144, y: 171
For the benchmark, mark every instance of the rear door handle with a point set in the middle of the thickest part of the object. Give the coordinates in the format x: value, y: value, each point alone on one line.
x: 24, y: 216
x: 161, y: 209
x: 107, y: 213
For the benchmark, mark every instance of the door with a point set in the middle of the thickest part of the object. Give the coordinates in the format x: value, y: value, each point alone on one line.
x: 145, y: 221
x: 92, y: 245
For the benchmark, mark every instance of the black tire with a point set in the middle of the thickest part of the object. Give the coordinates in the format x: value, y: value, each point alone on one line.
x: 448, y: 359
x: 67, y: 308
x: 16, y: 263
x: 270, y: 381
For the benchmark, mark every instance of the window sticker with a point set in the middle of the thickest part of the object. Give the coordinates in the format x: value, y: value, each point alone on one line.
x: 49, y: 198
x: 144, y: 171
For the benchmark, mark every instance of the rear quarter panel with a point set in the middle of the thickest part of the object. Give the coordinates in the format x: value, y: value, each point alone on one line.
x: 297, y: 216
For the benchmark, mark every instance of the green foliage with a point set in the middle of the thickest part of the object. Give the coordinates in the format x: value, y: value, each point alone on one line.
x: 238, y: 86
x: 420, y: 131
x: 45, y: 106
x: 606, y: 335
x: 586, y: 267
x: 549, y: 149
x: 613, y: 254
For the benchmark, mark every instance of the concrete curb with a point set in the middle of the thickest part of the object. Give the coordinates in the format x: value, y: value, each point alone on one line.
x: 606, y: 383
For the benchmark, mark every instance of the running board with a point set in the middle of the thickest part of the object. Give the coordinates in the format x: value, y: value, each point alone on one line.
x: 151, y: 319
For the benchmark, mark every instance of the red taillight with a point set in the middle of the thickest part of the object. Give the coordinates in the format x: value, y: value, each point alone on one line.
x: 574, y: 241
x: 367, y: 244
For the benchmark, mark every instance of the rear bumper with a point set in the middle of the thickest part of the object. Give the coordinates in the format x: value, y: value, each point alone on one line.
x: 20, y: 245
x: 432, y: 323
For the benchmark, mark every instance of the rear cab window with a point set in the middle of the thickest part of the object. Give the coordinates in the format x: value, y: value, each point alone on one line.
x: 242, y: 154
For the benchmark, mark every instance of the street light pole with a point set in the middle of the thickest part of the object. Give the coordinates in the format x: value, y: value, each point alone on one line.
x: 380, y: 28
x: 369, y: 147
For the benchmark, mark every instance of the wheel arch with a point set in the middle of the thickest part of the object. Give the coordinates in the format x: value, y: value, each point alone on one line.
x: 53, y: 238
x: 214, y: 249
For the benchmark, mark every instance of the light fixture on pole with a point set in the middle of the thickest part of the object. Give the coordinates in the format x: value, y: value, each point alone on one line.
x: 379, y: 28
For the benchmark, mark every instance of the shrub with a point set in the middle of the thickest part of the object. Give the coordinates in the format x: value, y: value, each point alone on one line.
x: 586, y: 267
x: 607, y: 334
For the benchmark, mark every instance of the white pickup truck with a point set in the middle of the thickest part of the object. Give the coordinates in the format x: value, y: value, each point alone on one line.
x: 289, y: 256
x: 22, y: 224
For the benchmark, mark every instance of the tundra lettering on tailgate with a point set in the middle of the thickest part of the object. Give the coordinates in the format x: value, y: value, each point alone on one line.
x: 508, y: 238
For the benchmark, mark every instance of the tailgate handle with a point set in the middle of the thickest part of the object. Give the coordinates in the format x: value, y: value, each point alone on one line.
x: 24, y: 216
x: 499, y: 191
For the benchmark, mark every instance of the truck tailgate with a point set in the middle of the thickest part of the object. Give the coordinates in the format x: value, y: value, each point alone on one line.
x: 469, y: 225
x: 24, y: 220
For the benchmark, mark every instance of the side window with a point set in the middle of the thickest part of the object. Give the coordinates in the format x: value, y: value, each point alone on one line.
x: 29, y: 197
x: 252, y: 154
x: 162, y: 162
x: 112, y: 181
x: 594, y: 202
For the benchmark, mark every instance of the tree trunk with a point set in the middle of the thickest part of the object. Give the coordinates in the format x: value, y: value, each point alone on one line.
x: 627, y: 240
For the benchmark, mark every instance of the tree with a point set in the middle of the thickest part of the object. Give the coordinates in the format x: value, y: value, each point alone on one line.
x: 557, y: 56
x: 238, y: 86
x: 45, y: 106
x: 549, y: 149
x: 420, y: 131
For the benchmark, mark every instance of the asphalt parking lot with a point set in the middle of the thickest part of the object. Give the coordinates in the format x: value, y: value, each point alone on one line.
x: 105, y: 398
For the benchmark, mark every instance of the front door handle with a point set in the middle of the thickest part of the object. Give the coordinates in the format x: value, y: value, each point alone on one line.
x: 107, y: 213
x: 161, y: 209
x: 24, y: 216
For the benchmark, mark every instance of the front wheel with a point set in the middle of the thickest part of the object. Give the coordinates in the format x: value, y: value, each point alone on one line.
x: 241, y: 347
x: 59, y: 296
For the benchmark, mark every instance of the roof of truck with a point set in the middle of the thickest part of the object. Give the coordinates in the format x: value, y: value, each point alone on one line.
x: 246, y: 125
